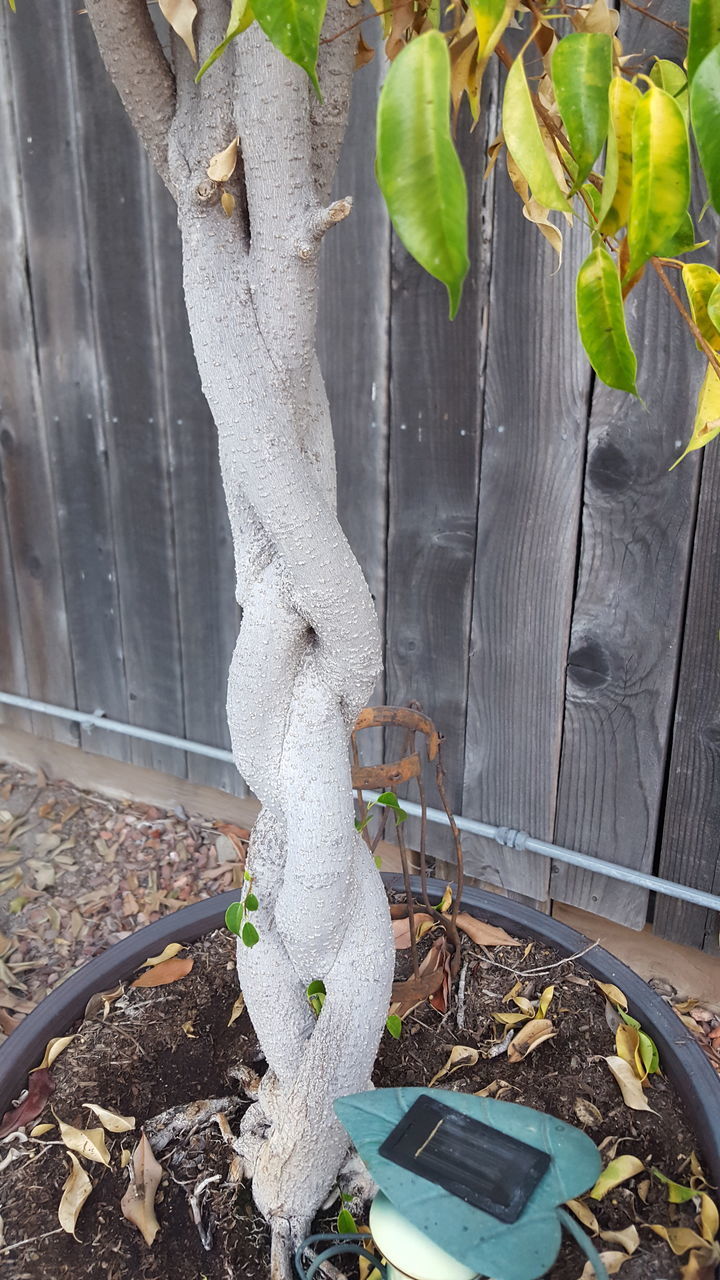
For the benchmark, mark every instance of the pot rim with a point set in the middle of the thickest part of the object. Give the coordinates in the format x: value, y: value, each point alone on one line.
x: 682, y: 1059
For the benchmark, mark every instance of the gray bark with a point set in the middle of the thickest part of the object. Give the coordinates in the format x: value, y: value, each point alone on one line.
x: 308, y: 652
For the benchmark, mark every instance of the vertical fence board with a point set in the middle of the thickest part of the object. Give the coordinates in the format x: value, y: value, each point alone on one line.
x: 691, y: 831
x: 533, y: 444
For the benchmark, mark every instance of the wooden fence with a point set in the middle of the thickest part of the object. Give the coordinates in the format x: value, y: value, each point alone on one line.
x: 549, y: 592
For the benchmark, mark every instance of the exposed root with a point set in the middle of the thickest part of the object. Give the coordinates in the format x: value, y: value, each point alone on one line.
x: 182, y: 1121
x: 195, y: 1198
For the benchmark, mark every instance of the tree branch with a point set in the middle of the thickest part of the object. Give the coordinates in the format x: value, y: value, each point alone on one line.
x: 138, y: 68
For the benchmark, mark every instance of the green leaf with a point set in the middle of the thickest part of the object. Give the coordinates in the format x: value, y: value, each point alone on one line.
x: 677, y: 1193
x: 713, y: 307
x: 601, y: 321
x: 582, y: 69
x: 705, y: 114
x: 491, y: 18
x: 294, y: 27
x: 670, y: 77
x: 378, y: 861
x: 389, y: 798
x: 249, y: 934
x: 12, y: 4
x: 524, y: 140
x: 316, y: 988
x: 241, y: 17
x: 700, y: 283
x: 346, y: 1224
x: 417, y: 166
x: 247, y: 875
x: 617, y: 183
x: 234, y: 917
x: 683, y: 241
x: 393, y: 1024
x: 704, y: 32
x: 649, y: 1053
x: 251, y: 902
x: 661, y: 176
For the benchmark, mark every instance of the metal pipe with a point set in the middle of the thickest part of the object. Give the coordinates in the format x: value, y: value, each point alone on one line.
x: 508, y: 837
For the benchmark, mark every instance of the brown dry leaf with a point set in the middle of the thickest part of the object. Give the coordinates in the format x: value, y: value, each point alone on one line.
x: 680, y: 1239
x: 597, y: 17
x: 627, y: 1044
x: 612, y: 1261
x: 627, y: 1239
x: 702, y: 1264
x: 461, y: 1055
x: 407, y: 995
x: 76, y: 1189
x: 584, y: 1214
x: 138, y: 1203
x: 53, y: 1049
x: 485, y: 935
x: 172, y: 949
x: 587, y: 1113
x: 363, y: 54
x: 237, y: 1010
x: 613, y: 993
x: 162, y: 974
x: 102, y: 1001
x: 493, y: 1089
x: 529, y: 1038
x: 643, y: 1189
x: 222, y: 165
x: 110, y: 1120
x: 401, y: 929
x: 630, y: 1087
x: 180, y: 14
x: 89, y: 1143
x: 617, y: 1172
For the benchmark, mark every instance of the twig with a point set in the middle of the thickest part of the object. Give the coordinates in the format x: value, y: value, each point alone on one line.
x: 31, y: 1240
x: 378, y: 13
x: 664, y: 22
x: 702, y: 342
x: 527, y: 973
x: 460, y: 1017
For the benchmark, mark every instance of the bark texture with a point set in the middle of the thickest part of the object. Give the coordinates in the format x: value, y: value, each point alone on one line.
x: 308, y: 652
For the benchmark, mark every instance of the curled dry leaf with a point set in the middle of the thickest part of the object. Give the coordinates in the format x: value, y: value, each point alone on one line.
x: 401, y: 929
x: 138, y: 1203
x: 125, y: 1158
x: 627, y: 1044
x: 680, y: 1239
x: 627, y: 1239
x: 87, y: 1142
x: 702, y: 1264
x: 40, y: 1129
x: 100, y: 1002
x: 53, y: 1049
x: 222, y: 165
x: 407, y: 995
x: 40, y: 1086
x: 180, y: 14
x: 461, y: 1055
x: 110, y: 1120
x: 708, y: 1219
x: 172, y: 949
x: 630, y: 1087
x: 584, y: 1214
x: 76, y: 1189
x: 617, y: 1172
x: 676, y: 1192
x: 164, y: 973
x: 237, y: 1010
x: 529, y: 1038
x: 485, y: 935
x: 587, y: 1113
x: 612, y: 1261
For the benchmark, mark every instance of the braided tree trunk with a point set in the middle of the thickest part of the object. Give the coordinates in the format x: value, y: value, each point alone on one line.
x: 308, y: 651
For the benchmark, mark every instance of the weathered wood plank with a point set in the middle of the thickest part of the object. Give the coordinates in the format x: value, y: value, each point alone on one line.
x: 691, y: 829
x: 532, y: 451
x: 35, y: 581
x: 120, y: 256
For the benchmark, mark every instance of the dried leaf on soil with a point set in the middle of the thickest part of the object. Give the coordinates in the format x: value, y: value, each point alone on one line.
x: 613, y: 993
x: 702, y: 1264
x: 76, y: 1189
x: 170, y: 950
x: 222, y: 165
x: 612, y: 1260
x: 40, y: 1129
x: 237, y: 1010
x: 407, y: 995
x: 587, y: 1113
x: 401, y: 929
x: 461, y: 1055
x: 485, y: 935
x: 627, y: 1044
x: 110, y: 1120
x: 708, y: 1219
x: 87, y: 1142
x: 618, y: 1171
x: 630, y: 1086
x: 138, y: 1203
x: 40, y: 1086
x: 164, y: 973
x: 676, y: 1192
x: 627, y: 1239
x: 529, y: 1038
x: 584, y: 1214
x: 680, y: 1239
x: 53, y: 1049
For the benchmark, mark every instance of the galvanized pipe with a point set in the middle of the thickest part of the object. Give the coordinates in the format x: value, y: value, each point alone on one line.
x: 508, y: 837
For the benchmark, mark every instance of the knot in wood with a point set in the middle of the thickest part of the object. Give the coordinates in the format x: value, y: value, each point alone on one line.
x: 207, y: 191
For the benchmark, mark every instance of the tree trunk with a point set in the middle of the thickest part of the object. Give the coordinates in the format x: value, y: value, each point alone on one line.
x: 308, y: 652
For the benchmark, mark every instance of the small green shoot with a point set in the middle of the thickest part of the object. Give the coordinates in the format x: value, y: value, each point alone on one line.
x: 316, y: 993
x: 389, y: 800
x: 236, y: 916
x: 393, y: 1025
x: 346, y: 1224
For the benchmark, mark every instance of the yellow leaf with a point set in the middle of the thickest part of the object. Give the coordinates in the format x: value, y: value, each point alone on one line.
x: 613, y: 993
x: 617, y: 1172
x: 529, y: 1038
x: 491, y: 17
x: 180, y: 14
x: 597, y: 17
x: 125, y: 1158
x: 53, y: 1049
x: 611, y: 1260
x: 87, y: 1142
x: 227, y: 200
x: 585, y: 1214
x: 627, y: 1239
x: 630, y: 1087
x: 627, y: 1043
x: 171, y: 950
x: 40, y: 1129
x: 237, y: 1010
x: 680, y: 1239
x: 545, y: 1002
x: 515, y: 990
x: 138, y: 1203
x: 110, y: 1120
x: 461, y: 1055
x: 702, y: 1264
x: 510, y: 1019
x: 446, y: 900
x: 222, y: 165
x: 700, y: 281
x: 76, y: 1189
x: 709, y: 1220
x: 705, y: 428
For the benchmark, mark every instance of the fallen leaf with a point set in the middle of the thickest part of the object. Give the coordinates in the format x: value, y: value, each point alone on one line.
x: 702, y: 1264
x: 617, y: 1172
x: 445, y: 902
x: 164, y: 972
x: 76, y: 1189
x: 461, y: 1055
x: 40, y: 1129
x: 627, y: 1044
x: 630, y: 1087
x: 138, y: 1203
x: 529, y: 1038
x: 585, y: 1215
x: 510, y: 1019
x: 680, y: 1239
x: 407, y: 995
x: 87, y: 1142
x: 493, y: 1089
x: 237, y: 1010
x: 40, y: 1086
x: 102, y: 1001
x: 53, y: 1049
x: 171, y: 950
x: 189, y: 1030
x: 628, y: 1239
x: 613, y: 993
x: 676, y: 1192
x: 708, y: 1219
x: 180, y: 14
x: 401, y: 929
x: 612, y: 1261
x: 587, y: 1113
x: 545, y: 1001
x: 110, y: 1120
x: 643, y: 1189
x: 125, y: 1158
x: 485, y: 935
x: 222, y: 165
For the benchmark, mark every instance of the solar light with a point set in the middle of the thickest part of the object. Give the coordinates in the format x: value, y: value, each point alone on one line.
x: 469, y: 1186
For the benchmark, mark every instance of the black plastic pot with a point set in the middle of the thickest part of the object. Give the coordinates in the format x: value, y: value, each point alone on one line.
x: 681, y: 1058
